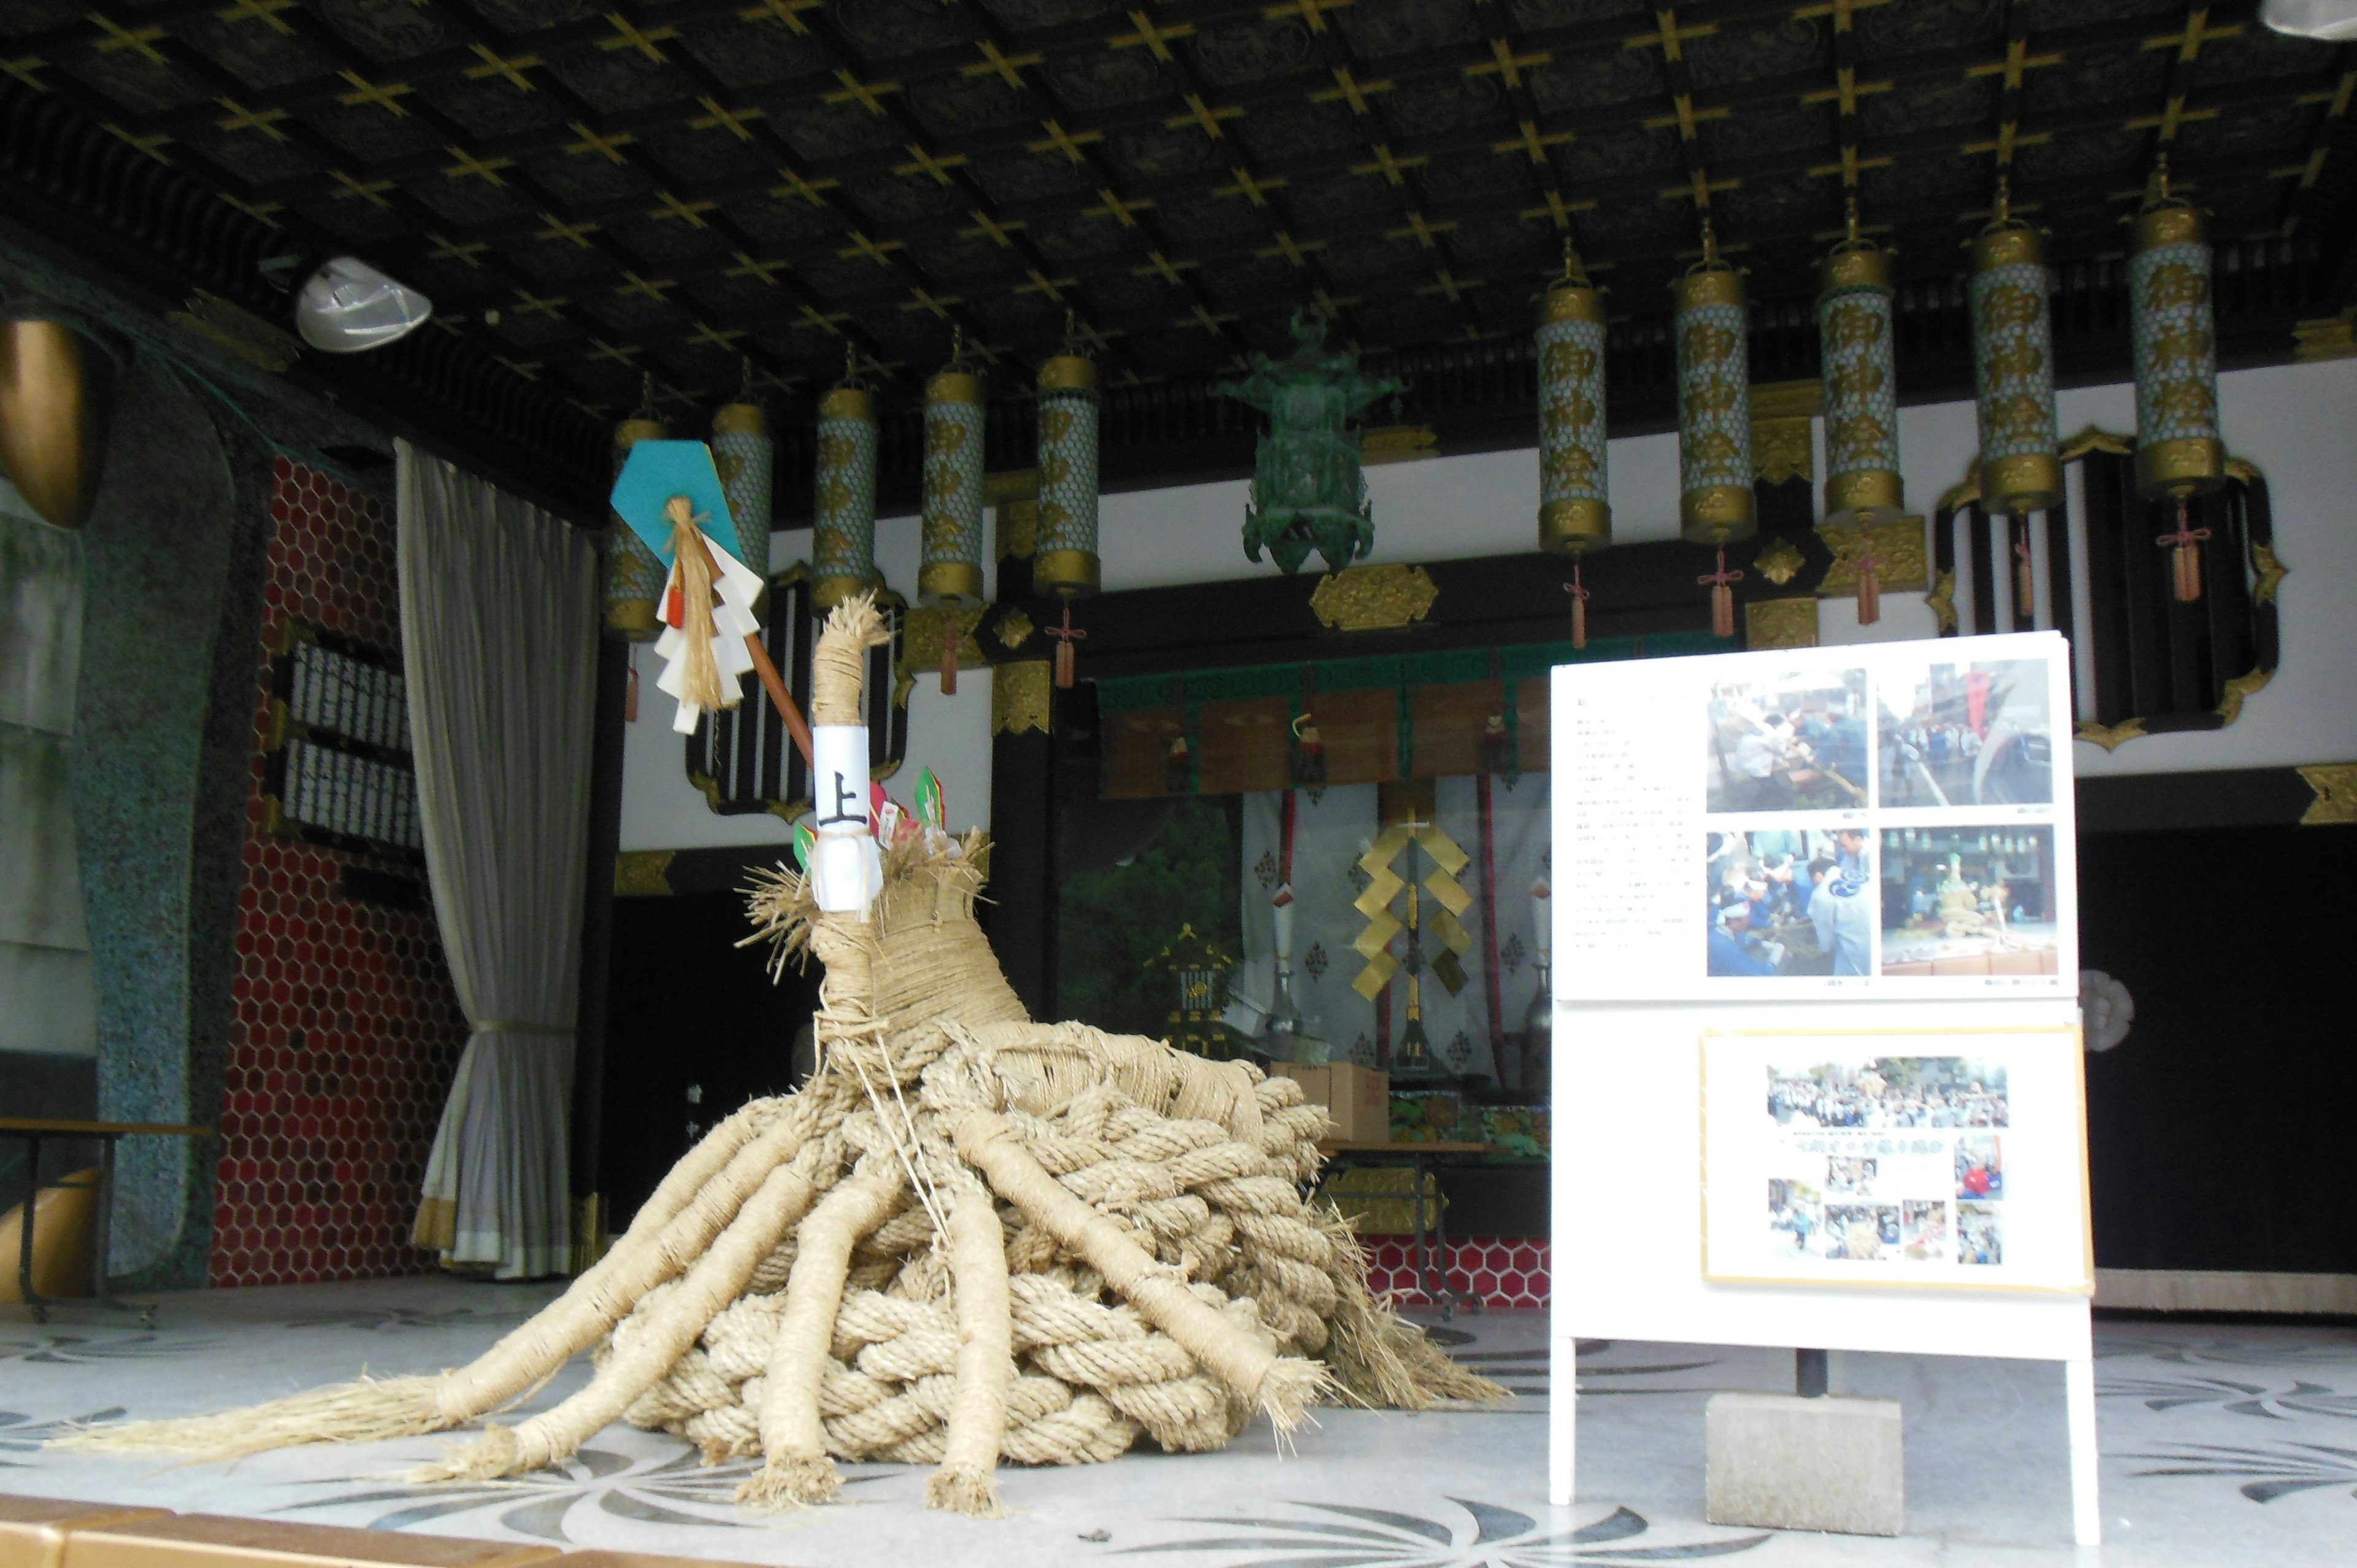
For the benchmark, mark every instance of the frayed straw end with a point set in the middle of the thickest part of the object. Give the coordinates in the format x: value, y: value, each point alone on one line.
x: 369, y: 1410
x: 797, y: 1481
x: 956, y: 1488
x: 1289, y: 1390
x: 497, y: 1453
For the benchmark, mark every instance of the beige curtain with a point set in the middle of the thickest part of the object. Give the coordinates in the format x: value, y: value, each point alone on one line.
x: 498, y: 637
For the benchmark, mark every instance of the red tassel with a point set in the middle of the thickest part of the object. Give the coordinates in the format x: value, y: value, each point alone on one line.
x: 1869, y: 597
x: 1722, y: 610
x: 1578, y: 606
x: 949, y: 653
x: 1067, y: 661
x: 2184, y: 549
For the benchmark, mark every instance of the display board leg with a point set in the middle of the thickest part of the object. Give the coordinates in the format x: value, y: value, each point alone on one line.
x: 1563, y: 1419
x: 2079, y: 1404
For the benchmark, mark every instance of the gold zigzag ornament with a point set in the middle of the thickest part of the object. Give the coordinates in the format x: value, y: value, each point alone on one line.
x: 1383, y: 884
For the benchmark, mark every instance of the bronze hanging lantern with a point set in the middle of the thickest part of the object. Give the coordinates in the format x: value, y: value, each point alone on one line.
x: 634, y: 578
x: 2172, y: 327
x: 1308, y: 491
x: 843, y: 511
x: 1863, y: 487
x: 1575, y: 504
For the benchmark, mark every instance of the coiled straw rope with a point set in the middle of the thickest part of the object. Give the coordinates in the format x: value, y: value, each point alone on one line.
x: 969, y: 1237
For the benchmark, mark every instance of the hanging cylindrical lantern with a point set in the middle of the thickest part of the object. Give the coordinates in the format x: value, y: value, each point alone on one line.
x: 2013, y: 366
x: 633, y: 579
x: 843, y: 515
x: 1574, y: 505
x: 748, y: 460
x: 2173, y: 325
x: 56, y: 403
x: 1861, y: 394
x: 1708, y: 327
x: 952, y: 569
x: 1066, y: 562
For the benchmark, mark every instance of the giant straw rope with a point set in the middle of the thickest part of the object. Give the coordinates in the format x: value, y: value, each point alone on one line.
x: 968, y: 1237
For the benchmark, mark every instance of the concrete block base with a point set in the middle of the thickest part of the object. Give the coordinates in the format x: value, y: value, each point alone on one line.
x: 1783, y: 1463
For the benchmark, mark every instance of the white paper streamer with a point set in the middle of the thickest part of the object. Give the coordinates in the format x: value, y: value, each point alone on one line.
x: 733, y: 621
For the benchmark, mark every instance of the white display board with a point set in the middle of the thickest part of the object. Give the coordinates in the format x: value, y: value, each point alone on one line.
x: 1786, y: 884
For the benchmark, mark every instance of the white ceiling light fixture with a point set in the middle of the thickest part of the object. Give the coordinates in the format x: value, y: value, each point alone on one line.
x: 347, y: 307
x: 2329, y: 21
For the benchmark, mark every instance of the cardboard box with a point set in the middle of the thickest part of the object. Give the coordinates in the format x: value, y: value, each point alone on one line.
x: 1358, y: 1098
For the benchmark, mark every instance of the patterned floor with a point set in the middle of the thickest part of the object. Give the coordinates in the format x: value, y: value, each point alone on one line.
x: 2220, y: 1446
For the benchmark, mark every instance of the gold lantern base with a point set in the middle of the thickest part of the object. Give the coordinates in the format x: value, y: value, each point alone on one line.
x: 2192, y: 466
x: 949, y: 580
x: 1074, y: 573
x: 828, y: 592
x: 1866, y: 497
x: 2012, y: 486
x: 1716, y: 514
x: 1575, y: 527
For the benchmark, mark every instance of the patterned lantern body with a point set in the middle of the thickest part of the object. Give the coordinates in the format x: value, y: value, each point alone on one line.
x: 1574, y: 511
x: 1707, y: 324
x: 843, y: 532
x: 952, y: 503
x: 1861, y: 387
x: 748, y: 461
x: 2013, y: 362
x: 2173, y: 325
x: 1067, y: 558
x: 634, y: 577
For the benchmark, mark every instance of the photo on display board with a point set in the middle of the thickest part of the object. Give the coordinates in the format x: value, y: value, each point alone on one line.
x: 1887, y: 1157
x: 1965, y: 901
x: 1794, y: 742
x: 1977, y: 734
x: 1789, y: 901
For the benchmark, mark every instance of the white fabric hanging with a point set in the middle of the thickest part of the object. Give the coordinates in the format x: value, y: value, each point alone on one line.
x: 499, y: 628
x: 1331, y: 829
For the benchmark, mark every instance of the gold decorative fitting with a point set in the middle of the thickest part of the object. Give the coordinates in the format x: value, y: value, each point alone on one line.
x: 1780, y: 623
x: 2109, y: 737
x: 1942, y: 601
x: 740, y: 419
x: 1567, y: 301
x: 1397, y: 443
x: 630, y: 432
x: 1787, y: 400
x: 2271, y: 573
x: 2014, y: 244
x: 2335, y: 784
x: 848, y: 403
x: 828, y: 592
x: 949, y: 580
x: 2324, y: 337
x: 1720, y: 286
x: 2239, y: 691
x: 1780, y: 562
x: 1782, y: 450
x: 1865, y: 495
x: 1902, y: 561
x: 2027, y: 483
x: 2095, y: 438
x: 1073, y: 573
x: 1718, y: 514
x: 1068, y: 372
x: 643, y: 873
x: 1022, y: 698
x: 2190, y: 466
x: 922, y: 629
x: 1575, y: 527
x: 954, y: 386
x: 1374, y: 598
x: 1014, y: 630
x: 237, y: 330
x: 1010, y: 486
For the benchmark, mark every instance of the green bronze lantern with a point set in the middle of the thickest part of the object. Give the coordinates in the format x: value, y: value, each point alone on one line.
x: 1307, y: 491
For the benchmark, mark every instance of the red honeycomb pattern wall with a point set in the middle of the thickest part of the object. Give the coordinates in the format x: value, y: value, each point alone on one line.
x: 346, y: 1031
x: 1504, y: 1271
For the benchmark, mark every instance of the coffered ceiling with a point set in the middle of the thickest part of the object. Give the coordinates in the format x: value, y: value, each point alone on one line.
x: 595, y: 192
